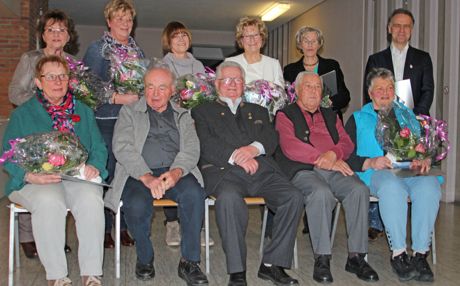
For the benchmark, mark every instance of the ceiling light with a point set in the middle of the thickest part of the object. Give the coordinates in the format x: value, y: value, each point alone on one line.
x: 275, y: 11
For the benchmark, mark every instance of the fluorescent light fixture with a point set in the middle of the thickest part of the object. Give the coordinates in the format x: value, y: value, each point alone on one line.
x: 275, y: 11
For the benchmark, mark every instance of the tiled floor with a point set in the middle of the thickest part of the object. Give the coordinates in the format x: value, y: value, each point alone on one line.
x: 447, y: 271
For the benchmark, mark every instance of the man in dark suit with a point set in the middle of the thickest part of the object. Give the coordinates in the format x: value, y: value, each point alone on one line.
x: 405, y: 62
x: 237, y: 141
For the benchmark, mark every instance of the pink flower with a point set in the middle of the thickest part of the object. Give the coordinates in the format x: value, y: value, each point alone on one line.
x: 405, y: 132
x: 203, y: 88
x: 186, y: 94
x: 56, y: 159
x: 420, y: 148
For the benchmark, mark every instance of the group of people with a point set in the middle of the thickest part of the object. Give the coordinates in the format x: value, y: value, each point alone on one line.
x: 149, y: 148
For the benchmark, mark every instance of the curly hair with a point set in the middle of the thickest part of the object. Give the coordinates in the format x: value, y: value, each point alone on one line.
x: 250, y: 21
x: 59, y: 16
x: 301, y: 33
x: 118, y: 5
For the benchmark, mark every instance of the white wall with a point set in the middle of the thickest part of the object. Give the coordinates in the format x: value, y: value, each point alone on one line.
x: 149, y: 39
x: 342, y: 25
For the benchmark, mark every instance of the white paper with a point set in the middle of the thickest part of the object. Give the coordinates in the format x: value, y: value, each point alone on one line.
x: 403, y: 91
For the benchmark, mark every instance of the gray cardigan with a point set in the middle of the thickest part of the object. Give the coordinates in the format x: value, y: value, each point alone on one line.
x: 22, y: 84
x: 129, y: 136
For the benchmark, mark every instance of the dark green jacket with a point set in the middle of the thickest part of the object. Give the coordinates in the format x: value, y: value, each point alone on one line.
x: 31, y: 118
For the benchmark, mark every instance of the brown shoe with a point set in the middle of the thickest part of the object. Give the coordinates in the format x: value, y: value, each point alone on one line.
x: 108, y: 241
x: 373, y: 234
x: 126, y: 239
x: 30, y: 250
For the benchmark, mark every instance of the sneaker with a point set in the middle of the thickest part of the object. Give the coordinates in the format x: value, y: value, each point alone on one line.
x: 172, y: 233
x: 423, y: 268
x: 203, y: 239
x: 403, y: 267
x: 359, y: 266
x: 191, y: 273
x: 92, y: 281
x: 60, y: 282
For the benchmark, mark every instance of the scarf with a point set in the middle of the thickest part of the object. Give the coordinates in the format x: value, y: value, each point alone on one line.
x: 111, y: 46
x: 62, y: 115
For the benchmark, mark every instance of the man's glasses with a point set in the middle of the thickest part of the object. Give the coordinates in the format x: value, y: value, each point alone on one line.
x: 230, y: 80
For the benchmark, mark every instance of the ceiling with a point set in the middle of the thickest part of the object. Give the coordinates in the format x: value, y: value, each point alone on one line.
x: 220, y: 15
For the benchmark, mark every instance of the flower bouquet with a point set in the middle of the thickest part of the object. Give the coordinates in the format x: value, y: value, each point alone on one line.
x: 85, y: 85
x: 50, y: 153
x: 405, y: 138
x: 195, y: 89
x: 127, y: 72
x: 266, y: 94
x: 326, y: 101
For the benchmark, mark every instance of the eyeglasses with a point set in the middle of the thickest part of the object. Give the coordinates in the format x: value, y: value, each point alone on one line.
x: 381, y: 90
x: 55, y: 77
x: 307, y: 42
x: 251, y: 37
x: 179, y: 35
x: 230, y: 80
x: 122, y: 20
x: 311, y: 86
x: 55, y: 30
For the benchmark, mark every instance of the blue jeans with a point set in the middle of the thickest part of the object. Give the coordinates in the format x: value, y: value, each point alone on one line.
x: 374, y: 216
x: 392, y: 191
x: 138, y: 208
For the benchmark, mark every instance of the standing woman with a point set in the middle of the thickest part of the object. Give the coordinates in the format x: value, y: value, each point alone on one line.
x: 56, y: 33
x: 251, y: 36
x: 119, y: 15
x: 176, y: 40
x: 309, y: 41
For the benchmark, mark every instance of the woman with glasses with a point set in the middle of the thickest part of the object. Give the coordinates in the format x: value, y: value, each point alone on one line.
x: 45, y: 195
x: 251, y: 36
x: 309, y: 42
x: 119, y: 16
x: 57, y: 34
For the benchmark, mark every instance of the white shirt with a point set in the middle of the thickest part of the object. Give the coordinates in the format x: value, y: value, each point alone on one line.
x: 399, y: 59
x: 267, y: 68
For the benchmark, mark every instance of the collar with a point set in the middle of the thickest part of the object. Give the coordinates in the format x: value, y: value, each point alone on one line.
x: 232, y: 105
x: 395, y: 50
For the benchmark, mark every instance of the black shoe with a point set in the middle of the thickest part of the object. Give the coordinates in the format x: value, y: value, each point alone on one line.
x: 145, y: 271
x: 402, y: 266
x: 373, y: 234
x: 423, y: 268
x: 361, y: 268
x: 237, y: 279
x: 30, y: 249
x: 322, y: 270
x: 67, y: 249
x: 276, y: 274
x: 191, y: 273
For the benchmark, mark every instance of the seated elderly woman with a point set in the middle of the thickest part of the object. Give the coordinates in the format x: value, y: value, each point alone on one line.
x: 45, y: 195
x: 374, y: 169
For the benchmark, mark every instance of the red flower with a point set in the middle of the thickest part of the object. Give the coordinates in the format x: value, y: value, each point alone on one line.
x: 420, y: 148
x: 75, y: 118
x: 405, y: 132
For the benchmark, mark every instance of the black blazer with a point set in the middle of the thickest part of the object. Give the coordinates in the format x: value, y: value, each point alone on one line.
x: 342, y: 98
x: 220, y: 135
x: 418, y: 68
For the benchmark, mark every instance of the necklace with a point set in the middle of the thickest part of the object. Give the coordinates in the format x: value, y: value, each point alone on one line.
x: 311, y: 65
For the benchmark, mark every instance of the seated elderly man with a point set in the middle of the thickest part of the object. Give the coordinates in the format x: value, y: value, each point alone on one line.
x: 374, y: 169
x: 313, y: 147
x: 237, y: 141
x: 157, y: 150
